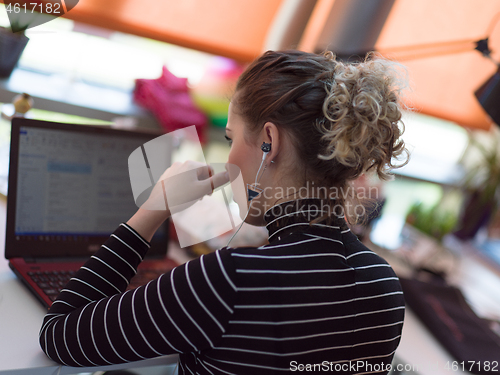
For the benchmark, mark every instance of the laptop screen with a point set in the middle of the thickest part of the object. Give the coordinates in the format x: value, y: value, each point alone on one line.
x: 69, y: 187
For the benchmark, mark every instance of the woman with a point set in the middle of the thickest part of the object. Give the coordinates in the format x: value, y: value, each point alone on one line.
x: 302, y: 126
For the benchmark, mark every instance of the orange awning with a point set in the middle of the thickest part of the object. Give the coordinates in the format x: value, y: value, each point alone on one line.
x: 433, y: 38
x: 444, y: 85
x: 435, y: 41
x: 232, y: 28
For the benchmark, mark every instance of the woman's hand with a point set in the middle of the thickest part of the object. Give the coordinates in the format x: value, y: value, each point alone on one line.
x: 179, y: 187
x: 182, y: 185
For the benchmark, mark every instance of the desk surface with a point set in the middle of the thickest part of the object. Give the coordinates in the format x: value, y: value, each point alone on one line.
x: 21, y: 316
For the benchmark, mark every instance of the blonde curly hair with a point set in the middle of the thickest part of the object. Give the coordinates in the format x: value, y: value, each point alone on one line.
x: 343, y: 119
x: 362, y: 115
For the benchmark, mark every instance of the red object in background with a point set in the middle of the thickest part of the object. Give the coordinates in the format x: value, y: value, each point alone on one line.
x: 168, y: 98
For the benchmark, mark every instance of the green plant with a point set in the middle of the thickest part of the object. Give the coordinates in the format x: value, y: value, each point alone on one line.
x: 435, y: 221
x: 20, y: 18
x: 484, y: 176
x: 481, y: 185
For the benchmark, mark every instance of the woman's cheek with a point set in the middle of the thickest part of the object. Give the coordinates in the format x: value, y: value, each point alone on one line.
x: 238, y: 186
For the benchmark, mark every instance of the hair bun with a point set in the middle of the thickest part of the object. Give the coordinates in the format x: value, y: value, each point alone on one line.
x: 362, y: 115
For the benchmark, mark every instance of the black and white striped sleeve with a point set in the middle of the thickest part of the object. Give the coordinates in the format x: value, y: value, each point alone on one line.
x: 94, y: 322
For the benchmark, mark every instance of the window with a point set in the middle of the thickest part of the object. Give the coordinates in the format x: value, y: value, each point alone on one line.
x: 102, y: 57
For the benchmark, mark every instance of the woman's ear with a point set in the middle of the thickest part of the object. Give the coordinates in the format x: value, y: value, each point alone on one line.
x: 271, y: 134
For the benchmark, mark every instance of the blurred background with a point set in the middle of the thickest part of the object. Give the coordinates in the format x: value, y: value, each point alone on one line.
x: 169, y: 64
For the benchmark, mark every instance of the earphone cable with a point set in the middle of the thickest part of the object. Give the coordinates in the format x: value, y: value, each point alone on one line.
x: 257, y: 179
x: 243, y: 222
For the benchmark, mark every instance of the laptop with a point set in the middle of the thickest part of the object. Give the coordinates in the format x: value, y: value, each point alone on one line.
x: 68, y: 190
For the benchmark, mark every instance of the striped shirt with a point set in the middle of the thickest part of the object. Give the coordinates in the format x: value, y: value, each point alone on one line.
x: 313, y: 298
